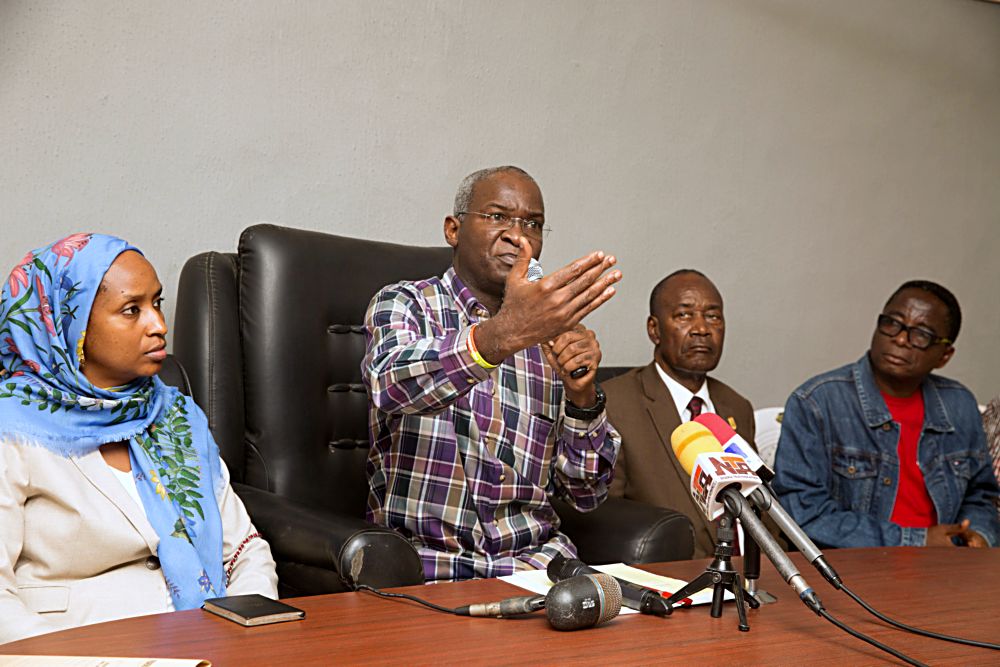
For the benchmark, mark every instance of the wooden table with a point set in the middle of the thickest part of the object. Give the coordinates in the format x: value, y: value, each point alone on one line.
x: 954, y: 591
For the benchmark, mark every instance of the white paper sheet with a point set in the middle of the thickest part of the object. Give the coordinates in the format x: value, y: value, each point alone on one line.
x: 537, y: 581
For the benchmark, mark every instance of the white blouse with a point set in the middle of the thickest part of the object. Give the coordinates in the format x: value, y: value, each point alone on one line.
x: 128, y: 481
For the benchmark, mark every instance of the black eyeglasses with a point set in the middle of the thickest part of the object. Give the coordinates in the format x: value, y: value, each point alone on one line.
x: 501, y: 221
x: 919, y: 338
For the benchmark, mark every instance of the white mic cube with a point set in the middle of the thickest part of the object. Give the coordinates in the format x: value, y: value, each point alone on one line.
x: 715, y: 471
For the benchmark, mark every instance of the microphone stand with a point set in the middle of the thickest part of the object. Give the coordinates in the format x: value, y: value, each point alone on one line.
x: 721, y: 575
x: 751, y: 564
x: 751, y: 568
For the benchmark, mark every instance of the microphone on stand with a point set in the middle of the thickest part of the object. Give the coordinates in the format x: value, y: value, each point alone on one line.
x: 763, y: 497
x: 712, y: 470
x: 719, y: 482
x: 534, y: 274
x: 732, y: 443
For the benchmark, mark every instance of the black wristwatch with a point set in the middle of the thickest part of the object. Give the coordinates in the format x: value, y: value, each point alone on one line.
x: 590, y: 413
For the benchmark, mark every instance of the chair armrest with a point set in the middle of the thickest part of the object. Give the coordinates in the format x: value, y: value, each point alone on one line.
x: 358, y: 551
x: 627, y: 531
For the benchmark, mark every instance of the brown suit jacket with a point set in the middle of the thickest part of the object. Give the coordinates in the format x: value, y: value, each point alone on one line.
x: 641, y: 409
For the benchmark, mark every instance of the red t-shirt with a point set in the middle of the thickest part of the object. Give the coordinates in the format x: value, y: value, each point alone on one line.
x: 914, y: 507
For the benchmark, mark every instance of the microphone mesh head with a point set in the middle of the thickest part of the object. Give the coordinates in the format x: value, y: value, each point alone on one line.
x: 534, y: 270
x: 612, y: 596
x: 583, y: 601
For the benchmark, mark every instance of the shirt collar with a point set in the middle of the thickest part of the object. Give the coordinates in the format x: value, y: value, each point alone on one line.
x: 682, y: 395
x: 876, y: 411
x: 463, y: 296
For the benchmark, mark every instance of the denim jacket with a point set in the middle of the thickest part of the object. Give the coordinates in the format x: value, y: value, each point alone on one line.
x: 837, y: 468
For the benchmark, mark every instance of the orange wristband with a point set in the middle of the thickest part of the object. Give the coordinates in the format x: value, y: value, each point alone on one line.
x: 478, y: 358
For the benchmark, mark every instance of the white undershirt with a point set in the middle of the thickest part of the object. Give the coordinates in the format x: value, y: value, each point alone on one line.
x: 682, y: 395
x: 128, y: 481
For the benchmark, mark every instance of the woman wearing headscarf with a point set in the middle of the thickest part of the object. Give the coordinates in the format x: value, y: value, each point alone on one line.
x: 113, y: 499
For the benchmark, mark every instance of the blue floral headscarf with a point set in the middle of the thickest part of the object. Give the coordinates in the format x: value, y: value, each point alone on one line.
x: 46, y: 400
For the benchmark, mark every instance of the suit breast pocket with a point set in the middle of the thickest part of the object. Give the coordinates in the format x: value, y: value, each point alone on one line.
x: 44, y: 599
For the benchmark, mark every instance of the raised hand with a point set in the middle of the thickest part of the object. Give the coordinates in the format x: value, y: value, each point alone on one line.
x: 541, y: 311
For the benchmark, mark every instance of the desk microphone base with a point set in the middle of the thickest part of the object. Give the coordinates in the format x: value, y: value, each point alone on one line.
x: 721, y: 576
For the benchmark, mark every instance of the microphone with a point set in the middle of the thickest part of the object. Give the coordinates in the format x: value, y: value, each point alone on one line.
x: 583, y: 602
x: 572, y: 604
x: 535, y: 271
x: 719, y: 482
x: 732, y: 443
x: 534, y: 274
x: 643, y: 600
x: 712, y: 470
x: 763, y: 497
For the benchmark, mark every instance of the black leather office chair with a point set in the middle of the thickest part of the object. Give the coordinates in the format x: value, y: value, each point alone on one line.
x: 274, y: 372
x: 272, y: 340
x: 173, y: 374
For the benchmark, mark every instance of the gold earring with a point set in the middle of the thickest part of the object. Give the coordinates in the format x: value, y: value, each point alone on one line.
x: 79, y: 348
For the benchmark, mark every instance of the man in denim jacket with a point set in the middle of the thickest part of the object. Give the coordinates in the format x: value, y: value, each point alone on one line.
x: 883, y: 453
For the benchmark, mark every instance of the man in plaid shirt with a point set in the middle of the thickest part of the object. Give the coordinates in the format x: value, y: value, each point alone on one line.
x: 476, y: 415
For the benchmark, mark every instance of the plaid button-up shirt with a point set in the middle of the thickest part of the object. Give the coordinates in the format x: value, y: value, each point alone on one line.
x: 463, y: 459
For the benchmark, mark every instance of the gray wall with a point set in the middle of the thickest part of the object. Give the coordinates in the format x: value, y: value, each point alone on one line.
x: 809, y: 155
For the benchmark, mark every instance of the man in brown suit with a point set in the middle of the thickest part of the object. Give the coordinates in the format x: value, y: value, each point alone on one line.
x: 646, y: 404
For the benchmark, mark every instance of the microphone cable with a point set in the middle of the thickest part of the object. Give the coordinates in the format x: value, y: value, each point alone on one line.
x: 411, y: 598
x: 519, y: 605
x: 870, y: 640
x: 909, y: 628
x: 574, y: 604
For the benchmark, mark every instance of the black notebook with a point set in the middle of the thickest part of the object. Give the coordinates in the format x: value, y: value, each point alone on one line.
x: 252, y: 609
